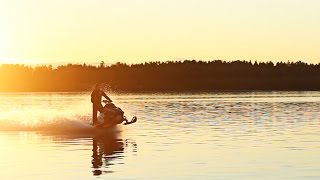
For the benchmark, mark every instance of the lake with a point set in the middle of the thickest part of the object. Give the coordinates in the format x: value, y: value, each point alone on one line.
x: 225, y: 135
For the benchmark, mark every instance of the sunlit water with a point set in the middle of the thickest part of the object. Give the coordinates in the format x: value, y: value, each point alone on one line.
x: 247, y: 135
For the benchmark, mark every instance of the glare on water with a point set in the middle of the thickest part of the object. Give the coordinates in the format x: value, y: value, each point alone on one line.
x: 232, y: 135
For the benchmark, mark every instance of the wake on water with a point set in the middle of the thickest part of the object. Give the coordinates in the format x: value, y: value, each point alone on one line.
x: 61, y: 125
x: 46, y: 112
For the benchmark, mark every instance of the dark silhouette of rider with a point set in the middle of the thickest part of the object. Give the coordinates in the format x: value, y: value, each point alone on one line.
x: 96, y: 97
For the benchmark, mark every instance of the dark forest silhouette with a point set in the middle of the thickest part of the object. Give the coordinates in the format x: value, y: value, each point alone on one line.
x: 164, y: 76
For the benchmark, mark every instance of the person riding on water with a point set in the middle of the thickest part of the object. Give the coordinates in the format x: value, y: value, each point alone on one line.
x: 96, y: 97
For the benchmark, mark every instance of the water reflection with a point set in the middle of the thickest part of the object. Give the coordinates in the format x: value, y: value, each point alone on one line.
x: 207, y: 136
x: 107, y: 151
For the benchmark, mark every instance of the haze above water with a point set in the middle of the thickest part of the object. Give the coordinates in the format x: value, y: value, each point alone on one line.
x: 244, y: 135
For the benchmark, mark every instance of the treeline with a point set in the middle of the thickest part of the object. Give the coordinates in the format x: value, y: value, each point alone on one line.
x: 164, y: 76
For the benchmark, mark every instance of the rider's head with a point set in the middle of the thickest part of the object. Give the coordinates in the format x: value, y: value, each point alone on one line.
x: 98, y: 86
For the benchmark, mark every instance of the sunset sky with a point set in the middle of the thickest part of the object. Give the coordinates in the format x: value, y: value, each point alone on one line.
x: 132, y: 31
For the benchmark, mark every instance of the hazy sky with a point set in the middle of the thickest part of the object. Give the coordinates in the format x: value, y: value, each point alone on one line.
x: 78, y: 31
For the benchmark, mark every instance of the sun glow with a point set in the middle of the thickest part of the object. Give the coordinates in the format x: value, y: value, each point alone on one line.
x: 5, y: 54
x: 158, y: 30
x: 3, y: 46
x: 5, y: 57
x: 10, y: 60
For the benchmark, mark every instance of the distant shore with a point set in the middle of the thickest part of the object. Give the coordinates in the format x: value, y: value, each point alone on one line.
x: 171, y: 76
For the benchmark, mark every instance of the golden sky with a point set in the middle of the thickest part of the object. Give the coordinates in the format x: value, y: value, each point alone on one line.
x: 131, y: 31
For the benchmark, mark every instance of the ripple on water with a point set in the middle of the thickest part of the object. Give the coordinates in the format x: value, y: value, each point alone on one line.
x: 229, y: 135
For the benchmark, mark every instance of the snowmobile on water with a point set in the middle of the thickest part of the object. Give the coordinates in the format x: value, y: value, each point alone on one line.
x: 112, y: 115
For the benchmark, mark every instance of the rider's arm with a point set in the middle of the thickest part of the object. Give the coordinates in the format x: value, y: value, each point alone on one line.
x: 105, y: 95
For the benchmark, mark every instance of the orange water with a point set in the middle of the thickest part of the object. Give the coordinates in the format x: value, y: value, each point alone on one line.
x: 244, y: 135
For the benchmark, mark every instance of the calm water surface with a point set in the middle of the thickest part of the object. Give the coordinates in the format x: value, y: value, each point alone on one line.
x: 246, y: 135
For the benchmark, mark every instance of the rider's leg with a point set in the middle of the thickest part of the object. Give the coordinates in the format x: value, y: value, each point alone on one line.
x: 94, y: 114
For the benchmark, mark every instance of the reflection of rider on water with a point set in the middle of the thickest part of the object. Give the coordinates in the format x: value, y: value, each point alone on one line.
x: 104, y: 150
x: 108, y: 150
x: 96, y: 97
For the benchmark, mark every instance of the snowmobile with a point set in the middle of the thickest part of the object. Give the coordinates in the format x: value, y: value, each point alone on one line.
x: 112, y: 115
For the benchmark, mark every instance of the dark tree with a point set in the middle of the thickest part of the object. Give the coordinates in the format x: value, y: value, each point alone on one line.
x: 188, y: 75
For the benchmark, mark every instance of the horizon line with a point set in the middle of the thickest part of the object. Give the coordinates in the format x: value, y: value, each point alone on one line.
x: 56, y: 64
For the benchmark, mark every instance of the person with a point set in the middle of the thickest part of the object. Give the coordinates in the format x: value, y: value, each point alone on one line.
x: 96, y: 97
